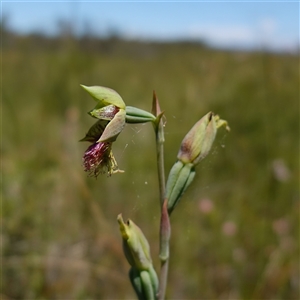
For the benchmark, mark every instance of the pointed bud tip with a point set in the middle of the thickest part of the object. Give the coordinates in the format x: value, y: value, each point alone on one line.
x: 221, y: 123
x: 155, y: 105
x: 120, y: 218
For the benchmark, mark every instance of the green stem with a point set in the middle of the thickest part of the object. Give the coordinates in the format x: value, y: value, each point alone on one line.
x: 165, y: 234
x: 164, y: 242
x: 165, y: 228
x: 160, y: 139
x: 160, y: 162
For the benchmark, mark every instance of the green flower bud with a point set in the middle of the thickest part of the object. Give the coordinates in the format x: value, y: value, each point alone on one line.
x: 135, y: 245
x: 198, y: 141
x: 194, y: 147
x: 137, y: 251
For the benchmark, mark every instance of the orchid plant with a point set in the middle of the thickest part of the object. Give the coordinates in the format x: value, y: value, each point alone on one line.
x: 112, y: 114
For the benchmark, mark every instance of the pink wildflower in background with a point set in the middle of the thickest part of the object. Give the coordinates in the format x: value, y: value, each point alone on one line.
x: 229, y: 228
x: 206, y: 206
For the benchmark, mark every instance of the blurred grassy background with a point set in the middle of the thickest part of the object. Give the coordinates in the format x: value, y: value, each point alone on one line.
x: 235, y: 232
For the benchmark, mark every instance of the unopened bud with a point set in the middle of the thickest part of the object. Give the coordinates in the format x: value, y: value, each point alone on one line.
x: 137, y: 251
x: 194, y: 147
x: 198, y: 141
x: 135, y: 245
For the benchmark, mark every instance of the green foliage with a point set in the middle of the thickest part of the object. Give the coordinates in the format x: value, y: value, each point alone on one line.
x: 236, y: 235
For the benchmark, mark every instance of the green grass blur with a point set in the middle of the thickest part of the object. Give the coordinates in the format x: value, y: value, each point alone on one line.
x: 234, y: 233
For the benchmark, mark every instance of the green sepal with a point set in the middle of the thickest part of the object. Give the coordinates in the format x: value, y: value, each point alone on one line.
x: 137, y: 115
x: 148, y: 291
x: 114, y: 127
x: 186, y: 185
x: 145, y: 283
x: 172, y: 178
x: 180, y: 177
x: 104, y: 96
x: 136, y: 282
x: 154, y: 279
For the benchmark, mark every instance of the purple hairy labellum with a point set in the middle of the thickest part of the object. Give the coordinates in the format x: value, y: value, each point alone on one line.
x: 99, y: 159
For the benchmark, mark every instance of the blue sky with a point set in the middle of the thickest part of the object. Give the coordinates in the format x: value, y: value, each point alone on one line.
x: 241, y: 24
